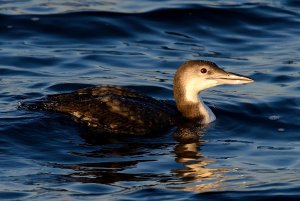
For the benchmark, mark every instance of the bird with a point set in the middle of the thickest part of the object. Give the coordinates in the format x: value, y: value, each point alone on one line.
x: 117, y: 110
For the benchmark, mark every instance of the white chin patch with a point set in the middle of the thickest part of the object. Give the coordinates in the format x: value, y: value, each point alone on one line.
x: 192, y: 98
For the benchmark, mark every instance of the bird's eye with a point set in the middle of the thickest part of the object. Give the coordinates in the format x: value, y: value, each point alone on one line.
x: 203, y: 70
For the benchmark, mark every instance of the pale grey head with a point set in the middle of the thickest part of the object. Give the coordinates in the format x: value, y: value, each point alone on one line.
x: 191, y: 78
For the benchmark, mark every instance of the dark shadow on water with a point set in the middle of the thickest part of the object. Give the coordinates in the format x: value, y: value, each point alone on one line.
x: 119, y: 157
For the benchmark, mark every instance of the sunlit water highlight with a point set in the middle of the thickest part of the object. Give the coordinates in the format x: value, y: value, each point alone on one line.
x: 250, y: 152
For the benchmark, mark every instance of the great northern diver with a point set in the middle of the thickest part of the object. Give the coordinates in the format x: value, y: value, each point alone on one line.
x: 118, y: 110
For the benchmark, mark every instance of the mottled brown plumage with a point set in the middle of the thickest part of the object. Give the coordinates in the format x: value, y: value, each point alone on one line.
x: 112, y: 109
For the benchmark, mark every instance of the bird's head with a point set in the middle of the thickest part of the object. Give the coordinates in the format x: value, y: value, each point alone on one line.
x: 196, y: 76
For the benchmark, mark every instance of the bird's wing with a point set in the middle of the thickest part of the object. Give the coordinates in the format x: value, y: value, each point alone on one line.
x: 112, y: 109
x: 114, y: 113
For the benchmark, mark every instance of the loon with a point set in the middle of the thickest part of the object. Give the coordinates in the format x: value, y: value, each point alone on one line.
x: 118, y: 110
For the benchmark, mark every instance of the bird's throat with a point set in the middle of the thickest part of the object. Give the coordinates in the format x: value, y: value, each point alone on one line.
x: 192, y: 107
x: 208, y: 115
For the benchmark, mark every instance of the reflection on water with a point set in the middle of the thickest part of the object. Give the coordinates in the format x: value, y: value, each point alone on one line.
x: 61, y: 46
x: 196, y: 175
x: 192, y: 173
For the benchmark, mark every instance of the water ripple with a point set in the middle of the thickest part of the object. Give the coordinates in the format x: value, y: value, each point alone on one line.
x: 250, y: 152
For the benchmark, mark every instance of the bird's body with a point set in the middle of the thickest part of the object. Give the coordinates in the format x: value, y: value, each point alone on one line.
x: 118, y: 110
x: 113, y: 109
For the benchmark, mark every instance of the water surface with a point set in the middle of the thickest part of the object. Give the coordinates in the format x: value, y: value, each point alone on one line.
x: 251, y: 152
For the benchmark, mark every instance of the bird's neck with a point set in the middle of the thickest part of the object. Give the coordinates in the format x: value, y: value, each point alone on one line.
x: 191, y: 106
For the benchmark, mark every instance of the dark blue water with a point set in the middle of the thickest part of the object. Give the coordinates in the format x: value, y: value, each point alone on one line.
x: 250, y: 153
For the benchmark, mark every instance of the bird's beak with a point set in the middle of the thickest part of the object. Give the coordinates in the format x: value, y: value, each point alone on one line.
x: 232, y: 78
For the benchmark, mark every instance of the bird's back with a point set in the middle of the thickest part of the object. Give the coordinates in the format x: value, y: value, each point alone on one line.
x: 112, y: 109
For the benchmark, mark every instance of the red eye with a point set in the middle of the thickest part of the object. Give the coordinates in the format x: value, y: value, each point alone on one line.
x: 203, y: 70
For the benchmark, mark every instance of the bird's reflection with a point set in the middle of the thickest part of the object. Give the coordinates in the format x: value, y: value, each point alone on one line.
x: 118, y: 160
x: 196, y: 175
